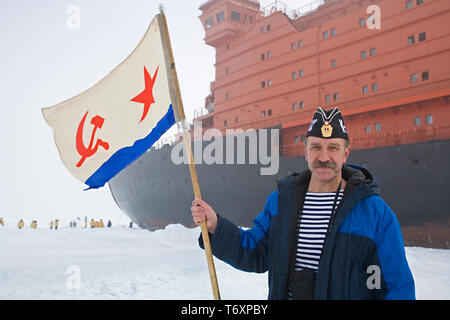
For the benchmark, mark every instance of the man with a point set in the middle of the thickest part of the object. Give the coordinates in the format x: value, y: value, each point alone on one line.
x: 324, y: 234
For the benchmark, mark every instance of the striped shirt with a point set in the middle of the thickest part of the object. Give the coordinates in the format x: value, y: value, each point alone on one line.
x: 312, y: 229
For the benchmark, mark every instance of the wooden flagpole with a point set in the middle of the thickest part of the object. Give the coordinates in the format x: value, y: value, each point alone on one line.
x: 177, y: 104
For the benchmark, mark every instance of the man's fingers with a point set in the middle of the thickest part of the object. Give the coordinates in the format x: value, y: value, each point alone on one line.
x: 200, y: 202
x: 197, y: 209
x: 198, y: 213
x: 203, y: 213
x: 199, y: 220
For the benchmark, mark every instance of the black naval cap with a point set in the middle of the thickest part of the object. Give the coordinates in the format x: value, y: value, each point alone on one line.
x: 328, y: 125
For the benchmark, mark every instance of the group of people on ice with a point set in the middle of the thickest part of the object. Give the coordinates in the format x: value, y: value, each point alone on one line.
x: 99, y: 224
x: 54, y: 224
x: 20, y: 224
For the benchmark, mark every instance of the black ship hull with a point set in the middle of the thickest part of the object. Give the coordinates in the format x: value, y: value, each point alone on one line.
x: 414, y: 180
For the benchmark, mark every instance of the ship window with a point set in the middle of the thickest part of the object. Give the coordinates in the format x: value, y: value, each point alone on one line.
x: 209, y: 22
x: 333, y: 32
x: 362, y: 22
x: 377, y: 126
x: 268, y: 27
x: 414, y: 78
x: 269, y: 112
x: 368, y: 128
x: 293, y: 46
x: 262, y: 30
x: 363, y: 54
x: 373, y: 51
x: 375, y: 87
x: 294, y: 75
x: 371, y: 19
x: 263, y: 114
x: 417, y: 121
x: 302, y: 104
x: 325, y: 35
x: 295, y: 139
x: 300, y: 44
x: 303, y: 138
x: 269, y: 54
x: 429, y: 119
x: 425, y: 75
x: 335, y: 96
x: 365, y: 89
x: 225, y: 123
x: 263, y: 56
x: 327, y: 98
x: 269, y: 83
x: 411, y: 40
x: 263, y: 84
x: 220, y: 16
x: 300, y: 74
x: 236, y: 119
x: 333, y: 63
x: 409, y: 4
x: 419, y: 2
x: 294, y: 106
x: 237, y: 16
x: 422, y: 36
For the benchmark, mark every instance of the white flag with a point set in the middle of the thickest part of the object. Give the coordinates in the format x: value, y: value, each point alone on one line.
x: 105, y: 128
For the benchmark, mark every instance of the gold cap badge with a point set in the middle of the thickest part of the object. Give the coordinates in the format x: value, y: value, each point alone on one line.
x: 327, y: 130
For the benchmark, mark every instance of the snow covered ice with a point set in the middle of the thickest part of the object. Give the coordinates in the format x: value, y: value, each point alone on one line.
x: 117, y: 263
x: 123, y: 263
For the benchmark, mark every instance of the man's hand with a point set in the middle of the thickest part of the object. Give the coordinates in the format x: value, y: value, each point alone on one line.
x: 201, y: 211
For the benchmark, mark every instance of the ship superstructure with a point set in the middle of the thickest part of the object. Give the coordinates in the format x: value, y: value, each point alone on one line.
x: 387, y: 70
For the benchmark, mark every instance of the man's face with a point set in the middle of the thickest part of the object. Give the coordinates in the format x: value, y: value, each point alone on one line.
x: 326, y: 157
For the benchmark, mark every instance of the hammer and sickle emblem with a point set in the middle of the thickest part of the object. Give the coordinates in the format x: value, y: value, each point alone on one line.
x: 85, y: 153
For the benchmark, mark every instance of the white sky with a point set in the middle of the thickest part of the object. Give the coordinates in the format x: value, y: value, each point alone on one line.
x: 43, y: 63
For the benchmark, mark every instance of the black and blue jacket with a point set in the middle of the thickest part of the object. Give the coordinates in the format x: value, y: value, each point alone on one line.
x: 365, y: 236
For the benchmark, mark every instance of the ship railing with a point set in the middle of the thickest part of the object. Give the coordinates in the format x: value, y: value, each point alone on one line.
x: 280, y: 6
x: 376, y: 140
x: 167, y: 141
x: 406, y: 136
x: 200, y: 112
x: 369, y: 140
x: 292, y: 149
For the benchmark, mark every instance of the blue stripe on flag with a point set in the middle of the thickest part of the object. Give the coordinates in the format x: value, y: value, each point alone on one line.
x: 125, y: 156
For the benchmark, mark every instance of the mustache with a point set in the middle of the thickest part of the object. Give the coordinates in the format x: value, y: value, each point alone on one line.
x: 327, y: 164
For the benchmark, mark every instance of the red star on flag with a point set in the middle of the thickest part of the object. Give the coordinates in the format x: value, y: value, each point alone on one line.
x: 146, y: 96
